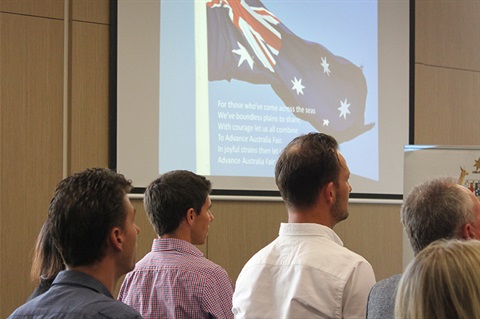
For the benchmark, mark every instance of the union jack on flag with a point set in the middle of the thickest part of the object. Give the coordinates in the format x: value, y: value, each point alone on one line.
x: 249, y: 43
x: 256, y: 25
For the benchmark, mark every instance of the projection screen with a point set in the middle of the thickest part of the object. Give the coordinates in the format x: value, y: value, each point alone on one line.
x: 220, y: 87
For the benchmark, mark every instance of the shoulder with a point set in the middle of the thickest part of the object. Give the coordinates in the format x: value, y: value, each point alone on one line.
x: 212, y: 276
x: 77, y: 302
x: 343, y: 260
x: 21, y: 312
x: 101, y: 308
x: 42, y: 287
x: 381, y: 300
x: 388, y: 284
x: 213, y: 271
x: 117, y: 310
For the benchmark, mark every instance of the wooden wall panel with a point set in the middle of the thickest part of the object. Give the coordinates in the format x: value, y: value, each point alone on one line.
x: 447, y: 33
x: 31, y: 55
x: 375, y: 232
x: 240, y: 229
x: 89, y: 91
x: 43, y: 8
x: 446, y: 105
x: 96, y: 11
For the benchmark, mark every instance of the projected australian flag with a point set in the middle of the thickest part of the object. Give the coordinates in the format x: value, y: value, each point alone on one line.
x: 249, y: 43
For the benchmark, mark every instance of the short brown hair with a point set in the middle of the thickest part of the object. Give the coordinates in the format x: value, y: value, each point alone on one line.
x: 305, y: 166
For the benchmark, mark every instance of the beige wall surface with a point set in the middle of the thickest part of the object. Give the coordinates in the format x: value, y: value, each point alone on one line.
x: 40, y: 76
x: 447, y: 72
x: 55, y: 75
x: 30, y: 142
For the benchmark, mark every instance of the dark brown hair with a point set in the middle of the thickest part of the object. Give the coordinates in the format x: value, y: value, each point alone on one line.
x: 305, y: 166
x: 84, y: 208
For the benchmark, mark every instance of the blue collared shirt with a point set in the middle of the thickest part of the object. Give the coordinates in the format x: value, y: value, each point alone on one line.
x: 75, y: 295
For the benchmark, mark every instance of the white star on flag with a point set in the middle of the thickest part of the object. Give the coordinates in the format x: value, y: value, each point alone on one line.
x: 325, y: 66
x: 326, y: 122
x: 344, y: 109
x: 244, y: 55
x: 297, y: 85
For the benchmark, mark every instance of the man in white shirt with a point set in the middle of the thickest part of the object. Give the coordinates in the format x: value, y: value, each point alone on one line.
x: 306, y: 272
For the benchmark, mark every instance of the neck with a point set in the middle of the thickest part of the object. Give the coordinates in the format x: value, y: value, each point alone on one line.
x: 319, y: 213
x: 102, y: 272
x: 182, y: 232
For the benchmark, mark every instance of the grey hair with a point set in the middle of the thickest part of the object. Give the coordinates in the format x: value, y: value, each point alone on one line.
x: 435, y: 209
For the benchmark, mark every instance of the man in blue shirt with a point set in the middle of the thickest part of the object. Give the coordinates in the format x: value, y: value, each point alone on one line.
x: 93, y: 227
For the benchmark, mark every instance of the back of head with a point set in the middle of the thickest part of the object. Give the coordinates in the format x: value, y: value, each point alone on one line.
x: 47, y: 261
x: 442, y: 282
x: 305, y: 166
x: 168, y: 198
x: 436, y: 209
x: 84, y: 208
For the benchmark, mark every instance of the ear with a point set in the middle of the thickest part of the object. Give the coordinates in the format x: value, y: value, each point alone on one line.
x: 116, y: 238
x: 468, y: 232
x: 190, y: 216
x: 329, y: 192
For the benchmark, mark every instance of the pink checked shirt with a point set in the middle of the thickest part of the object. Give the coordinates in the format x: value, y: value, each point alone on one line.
x: 174, y: 280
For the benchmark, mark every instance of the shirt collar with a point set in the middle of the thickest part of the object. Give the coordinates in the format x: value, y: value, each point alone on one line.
x: 162, y: 244
x: 73, y: 277
x: 309, y: 229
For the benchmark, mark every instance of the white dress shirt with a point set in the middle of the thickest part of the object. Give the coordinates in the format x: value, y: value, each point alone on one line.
x: 304, y: 273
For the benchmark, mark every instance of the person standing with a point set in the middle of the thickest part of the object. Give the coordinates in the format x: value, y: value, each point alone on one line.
x: 92, y: 224
x: 306, y: 272
x: 175, y: 280
x: 438, y: 208
x: 441, y: 282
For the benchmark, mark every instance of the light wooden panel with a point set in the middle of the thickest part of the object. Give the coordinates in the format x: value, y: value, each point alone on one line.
x: 446, y: 106
x: 447, y: 33
x: 240, y: 229
x: 375, y: 232
x: 39, y: 8
x: 31, y: 55
x: 89, y: 91
x: 96, y: 11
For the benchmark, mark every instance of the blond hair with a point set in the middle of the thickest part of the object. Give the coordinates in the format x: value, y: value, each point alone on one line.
x: 442, y: 282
